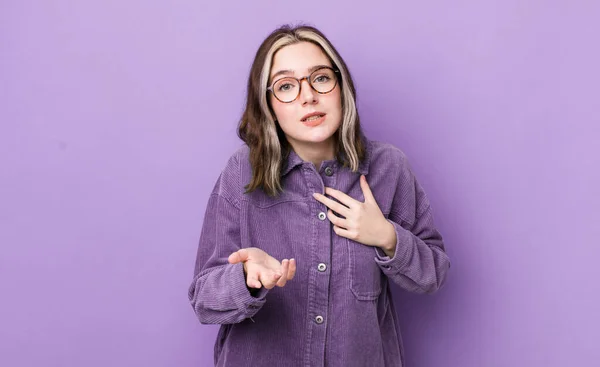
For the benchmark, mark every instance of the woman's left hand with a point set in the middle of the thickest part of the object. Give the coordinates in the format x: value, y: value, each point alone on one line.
x: 364, y: 222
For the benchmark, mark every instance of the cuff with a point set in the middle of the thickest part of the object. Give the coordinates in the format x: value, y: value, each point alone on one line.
x: 242, y: 296
x: 399, y: 260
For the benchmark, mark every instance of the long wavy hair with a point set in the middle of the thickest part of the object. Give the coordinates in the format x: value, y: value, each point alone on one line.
x: 259, y: 129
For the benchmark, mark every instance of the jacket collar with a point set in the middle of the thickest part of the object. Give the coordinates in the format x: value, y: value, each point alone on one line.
x: 294, y: 160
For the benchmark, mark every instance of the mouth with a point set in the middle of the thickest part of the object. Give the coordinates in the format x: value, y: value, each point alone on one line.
x: 313, y: 119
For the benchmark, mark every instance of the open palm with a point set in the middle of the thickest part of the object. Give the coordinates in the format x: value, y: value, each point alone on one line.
x: 263, y: 270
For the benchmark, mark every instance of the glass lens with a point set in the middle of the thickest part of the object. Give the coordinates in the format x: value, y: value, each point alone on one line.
x: 323, y: 80
x: 286, y: 89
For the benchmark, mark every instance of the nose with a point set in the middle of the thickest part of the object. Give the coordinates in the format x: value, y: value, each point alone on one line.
x: 307, y: 94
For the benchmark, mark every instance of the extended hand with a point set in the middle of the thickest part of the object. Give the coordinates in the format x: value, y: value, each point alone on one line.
x: 263, y: 270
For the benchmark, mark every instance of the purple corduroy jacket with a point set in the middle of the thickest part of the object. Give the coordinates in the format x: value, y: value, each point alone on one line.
x: 338, y: 310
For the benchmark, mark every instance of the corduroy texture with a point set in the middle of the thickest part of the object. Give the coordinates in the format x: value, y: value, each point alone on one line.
x: 278, y: 327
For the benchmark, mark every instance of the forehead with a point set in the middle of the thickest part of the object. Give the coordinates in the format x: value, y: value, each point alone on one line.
x: 298, y: 58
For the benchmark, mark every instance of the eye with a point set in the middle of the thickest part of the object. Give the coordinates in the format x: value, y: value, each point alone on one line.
x: 285, y: 87
x: 321, y: 78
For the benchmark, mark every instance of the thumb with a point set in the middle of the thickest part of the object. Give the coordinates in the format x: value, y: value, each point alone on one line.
x: 238, y: 256
x: 366, y: 189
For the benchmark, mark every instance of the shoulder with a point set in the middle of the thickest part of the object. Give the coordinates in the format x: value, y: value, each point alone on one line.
x: 230, y: 182
x: 386, y: 156
x: 239, y: 158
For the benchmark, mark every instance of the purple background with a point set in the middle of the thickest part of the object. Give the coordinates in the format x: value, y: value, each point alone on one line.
x: 117, y: 116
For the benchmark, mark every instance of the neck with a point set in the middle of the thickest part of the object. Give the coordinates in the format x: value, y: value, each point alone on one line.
x: 315, y: 152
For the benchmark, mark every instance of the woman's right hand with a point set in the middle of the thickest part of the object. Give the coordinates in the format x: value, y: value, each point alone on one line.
x: 263, y: 270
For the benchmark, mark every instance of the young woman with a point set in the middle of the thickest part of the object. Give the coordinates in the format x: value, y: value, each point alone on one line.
x: 309, y: 222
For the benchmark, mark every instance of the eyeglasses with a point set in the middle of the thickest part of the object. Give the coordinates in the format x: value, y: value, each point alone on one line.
x: 287, y: 89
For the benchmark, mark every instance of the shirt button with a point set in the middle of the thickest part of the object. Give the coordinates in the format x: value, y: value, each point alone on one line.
x: 319, y: 319
x: 322, y: 216
x: 328, y: 171
x: 322, y: 267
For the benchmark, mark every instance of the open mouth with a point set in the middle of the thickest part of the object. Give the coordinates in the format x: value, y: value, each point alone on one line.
x: 312, y: 118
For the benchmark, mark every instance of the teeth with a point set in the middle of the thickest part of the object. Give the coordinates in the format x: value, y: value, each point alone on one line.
x: 312, y: 118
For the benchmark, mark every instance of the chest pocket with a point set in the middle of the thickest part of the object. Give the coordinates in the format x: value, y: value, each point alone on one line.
x: 365, y: 275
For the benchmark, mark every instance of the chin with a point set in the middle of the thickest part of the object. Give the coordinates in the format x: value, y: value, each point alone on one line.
x: 318, y: 137
x: 313, y: 139
x: 315, y: 135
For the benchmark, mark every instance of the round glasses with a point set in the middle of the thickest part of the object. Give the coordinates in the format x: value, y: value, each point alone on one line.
x: 287, y: 89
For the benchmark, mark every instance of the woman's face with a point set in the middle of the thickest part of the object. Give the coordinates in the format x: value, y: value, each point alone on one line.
x: 299, y: 60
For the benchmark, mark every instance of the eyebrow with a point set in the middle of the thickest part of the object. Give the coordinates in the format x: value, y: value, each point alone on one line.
x: 287, y: 71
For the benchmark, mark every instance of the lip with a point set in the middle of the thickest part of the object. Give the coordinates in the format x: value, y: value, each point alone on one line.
x: 316, y: 122
x: 316, y: 113
x: 313, y: 123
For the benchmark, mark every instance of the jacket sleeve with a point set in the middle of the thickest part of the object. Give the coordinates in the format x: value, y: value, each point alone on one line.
x: 218, y: 293
x: 420, y: 263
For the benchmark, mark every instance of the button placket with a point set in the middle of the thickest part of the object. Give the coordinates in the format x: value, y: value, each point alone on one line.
x: 319, y: 289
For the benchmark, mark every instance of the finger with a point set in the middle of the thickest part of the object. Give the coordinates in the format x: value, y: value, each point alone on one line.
x: 340, y: 222
x: 234, y: 258
x: 342, y: 197
x: 269, y: 278
x: 343, y: 232
x: 238, y: 256
x: 285, y: 265
x: 252, y: 280
x: 292, y: 269
x: 331, y: 204
x: 364, y: 185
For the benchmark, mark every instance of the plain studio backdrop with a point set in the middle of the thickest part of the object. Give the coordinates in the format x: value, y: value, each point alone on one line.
x: 116, y: 118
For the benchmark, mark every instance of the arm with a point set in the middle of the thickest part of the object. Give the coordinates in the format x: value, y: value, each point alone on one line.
x: 418, y: 260
x: 218, y: 293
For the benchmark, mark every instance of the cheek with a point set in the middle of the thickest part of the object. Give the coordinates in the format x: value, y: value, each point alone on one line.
x: 282, y: 111
x: 274, y: 106
x: 335, y: 101
x: 335, y: 97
